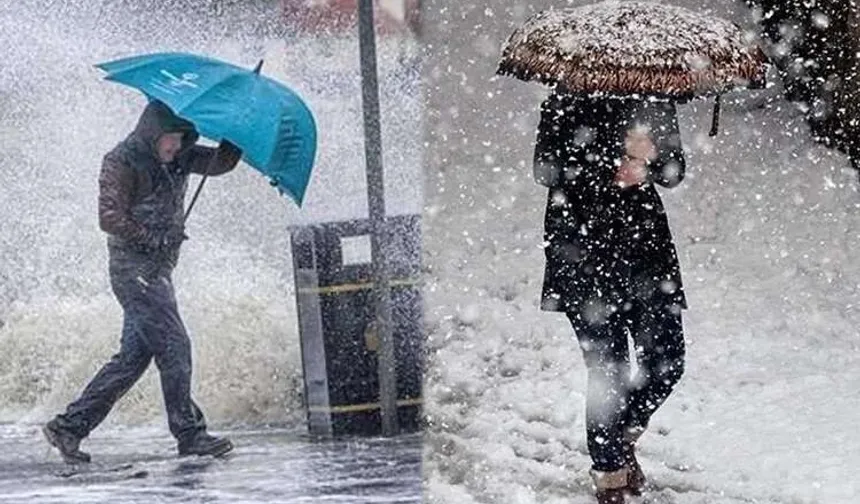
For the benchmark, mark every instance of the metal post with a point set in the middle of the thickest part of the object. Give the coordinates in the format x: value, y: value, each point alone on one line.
x: 376, y: 209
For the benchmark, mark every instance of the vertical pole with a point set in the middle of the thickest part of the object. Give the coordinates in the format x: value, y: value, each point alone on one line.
x: 376, y: 208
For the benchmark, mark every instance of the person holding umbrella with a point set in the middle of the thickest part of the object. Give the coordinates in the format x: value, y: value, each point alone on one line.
x: 611, y: 265
x: 607, y: 135
x: 141, y: 189
x: 143, y: 183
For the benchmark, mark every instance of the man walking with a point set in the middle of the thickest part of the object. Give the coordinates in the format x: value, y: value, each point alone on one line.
x: 142, y: 190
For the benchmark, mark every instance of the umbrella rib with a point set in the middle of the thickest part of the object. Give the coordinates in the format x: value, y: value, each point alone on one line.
x: 143, y: 61
x: 151, y: 59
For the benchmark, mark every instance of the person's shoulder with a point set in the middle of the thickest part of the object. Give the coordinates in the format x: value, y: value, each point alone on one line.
x: 122, y: 157
x: 657, y: 108
x: 116, y: 155
x: 562, y: 108
x: 558, y: 100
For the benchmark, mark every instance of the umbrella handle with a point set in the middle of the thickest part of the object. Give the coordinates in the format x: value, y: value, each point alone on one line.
x: 715, y: 122
x: 206, y: 174
x: 196, y: 194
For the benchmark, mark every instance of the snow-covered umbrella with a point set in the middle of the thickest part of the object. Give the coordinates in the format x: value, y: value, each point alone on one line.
x: 634, y: 48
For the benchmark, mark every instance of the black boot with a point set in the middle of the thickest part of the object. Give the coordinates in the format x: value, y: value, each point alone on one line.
x: 609, y: 487
x: 66, y: 442
x: 203, y: 444
x: 636, y: 480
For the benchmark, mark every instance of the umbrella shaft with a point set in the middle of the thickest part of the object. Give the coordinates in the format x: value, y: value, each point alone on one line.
x: 715, y: 122
x: 196, y: 194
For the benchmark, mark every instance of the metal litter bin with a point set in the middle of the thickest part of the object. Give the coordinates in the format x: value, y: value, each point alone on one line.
x: 336, y: 312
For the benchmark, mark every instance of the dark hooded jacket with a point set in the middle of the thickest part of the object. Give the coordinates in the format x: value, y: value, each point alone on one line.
x: 141, y: 198
x: 606, y: 246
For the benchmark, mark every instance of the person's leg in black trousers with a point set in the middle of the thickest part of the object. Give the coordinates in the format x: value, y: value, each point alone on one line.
x: 658, y: 336
x: 618, y: 408
x: 606, y: 352
x: 111, y: 382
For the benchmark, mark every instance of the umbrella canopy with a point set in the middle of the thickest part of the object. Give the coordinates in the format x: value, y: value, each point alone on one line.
x: 268, y: 121
x: 623, y: 48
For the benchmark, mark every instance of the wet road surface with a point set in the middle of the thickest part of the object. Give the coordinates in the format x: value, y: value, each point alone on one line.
x: 268, y: 466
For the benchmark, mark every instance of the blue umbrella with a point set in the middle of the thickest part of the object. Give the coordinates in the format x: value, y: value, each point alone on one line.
x: 269, y: 122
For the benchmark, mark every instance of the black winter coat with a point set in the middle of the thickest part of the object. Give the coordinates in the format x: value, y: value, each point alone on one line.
x: 606, y: 246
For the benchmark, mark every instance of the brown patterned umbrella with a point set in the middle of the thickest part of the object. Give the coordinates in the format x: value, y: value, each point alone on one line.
x: 633, y: 47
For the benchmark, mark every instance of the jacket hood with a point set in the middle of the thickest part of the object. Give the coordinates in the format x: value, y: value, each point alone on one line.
x: 156, y: 120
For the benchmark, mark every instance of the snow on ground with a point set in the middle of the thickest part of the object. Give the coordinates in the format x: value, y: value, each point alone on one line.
x: 765, y: 224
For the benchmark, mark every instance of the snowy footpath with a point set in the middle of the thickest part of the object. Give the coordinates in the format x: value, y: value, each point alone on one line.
x: 767, y: 412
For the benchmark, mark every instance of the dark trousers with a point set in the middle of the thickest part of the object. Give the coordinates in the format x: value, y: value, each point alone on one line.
x: 616, y: 401
x: 152, y: 329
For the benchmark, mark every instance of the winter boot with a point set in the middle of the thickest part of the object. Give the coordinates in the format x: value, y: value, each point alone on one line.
x: 203, y: 444
x: 609, y: 487
x: 66, y: 442
x: 636, y: 477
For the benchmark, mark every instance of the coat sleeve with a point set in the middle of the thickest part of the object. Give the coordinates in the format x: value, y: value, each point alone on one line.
x: 669, y: 167
x: 213, y: 162
x: 116, y: 190
x: 548, y: 162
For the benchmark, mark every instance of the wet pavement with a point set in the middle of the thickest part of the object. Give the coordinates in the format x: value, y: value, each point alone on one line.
x: 140, y: 465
